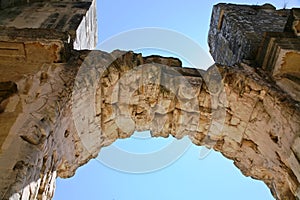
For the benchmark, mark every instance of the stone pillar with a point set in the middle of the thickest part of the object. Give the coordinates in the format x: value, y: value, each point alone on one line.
x: 36, y: 42
x: 236, y: 31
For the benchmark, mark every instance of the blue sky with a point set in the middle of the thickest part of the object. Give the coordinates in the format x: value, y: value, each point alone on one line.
x: 187, y: 177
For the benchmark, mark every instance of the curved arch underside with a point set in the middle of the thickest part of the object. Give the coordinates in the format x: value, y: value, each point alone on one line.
x: 99, y: 97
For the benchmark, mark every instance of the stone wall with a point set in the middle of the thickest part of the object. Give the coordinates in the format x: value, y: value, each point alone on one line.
x: 36, y: 43
x: 15, y: 3
x: 279, y: 56
x: 60, y: 106
x: 75, y: 19
x: 260, y: 36
x: 237, y: 30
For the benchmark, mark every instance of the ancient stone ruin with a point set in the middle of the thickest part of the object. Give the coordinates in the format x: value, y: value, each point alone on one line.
x: 59, y: 104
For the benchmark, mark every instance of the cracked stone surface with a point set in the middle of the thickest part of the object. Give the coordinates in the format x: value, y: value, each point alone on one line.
x: 60, y: 106
x: 247, y: 119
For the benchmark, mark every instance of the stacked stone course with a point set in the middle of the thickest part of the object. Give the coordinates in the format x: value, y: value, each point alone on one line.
x: 60, y: 104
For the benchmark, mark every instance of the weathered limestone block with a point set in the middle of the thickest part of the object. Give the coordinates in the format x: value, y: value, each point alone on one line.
x: 293, y: 23
x: 260, y: 125
x: 249, y: 34
x: 32, y: 49
x: 236, y: 30
x: 279, y: 55
x: 59, y: 107
x: 28, y: 145
x: 76, y: 19
x: 259, y: 143
x: 36, y: 116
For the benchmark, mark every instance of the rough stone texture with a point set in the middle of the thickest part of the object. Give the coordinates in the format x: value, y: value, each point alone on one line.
x: 15, y: 3
x: 76, y: 19
x: 293, y: 23
x: 261, y: 123
x: 280, y: 57
x: 260, y: 36
x: 59, y: 107
x: 236, y: 30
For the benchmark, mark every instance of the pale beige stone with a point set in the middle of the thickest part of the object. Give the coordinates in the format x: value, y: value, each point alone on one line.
x: 62, y: 114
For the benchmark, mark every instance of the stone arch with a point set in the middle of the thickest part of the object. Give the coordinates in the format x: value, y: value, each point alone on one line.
x: 233, y: 118
x: 192, y: 174
x: 260, y: 126
x: 256, y: 123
